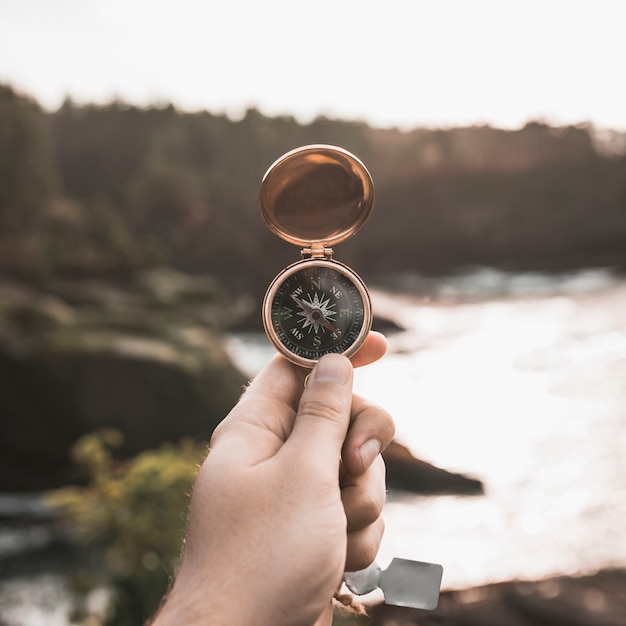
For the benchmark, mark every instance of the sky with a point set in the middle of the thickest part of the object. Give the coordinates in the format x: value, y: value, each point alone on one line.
x: 390, y: 63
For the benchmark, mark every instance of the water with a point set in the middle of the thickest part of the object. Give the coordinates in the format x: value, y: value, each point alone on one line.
x: 520, y: 381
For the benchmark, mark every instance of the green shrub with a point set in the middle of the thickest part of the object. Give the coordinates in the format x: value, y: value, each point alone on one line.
x: 131, y: 517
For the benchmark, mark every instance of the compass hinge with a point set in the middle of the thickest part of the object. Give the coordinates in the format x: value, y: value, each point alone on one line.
x: 317, y: 251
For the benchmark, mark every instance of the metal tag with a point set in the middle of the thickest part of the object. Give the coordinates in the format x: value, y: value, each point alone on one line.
x: 413, y: 584
x: 364, y: 580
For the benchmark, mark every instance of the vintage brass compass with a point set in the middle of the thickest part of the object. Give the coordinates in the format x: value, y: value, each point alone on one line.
x: 315, y: 197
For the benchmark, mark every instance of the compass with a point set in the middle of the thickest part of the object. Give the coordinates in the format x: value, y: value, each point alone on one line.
x: 314, y: 197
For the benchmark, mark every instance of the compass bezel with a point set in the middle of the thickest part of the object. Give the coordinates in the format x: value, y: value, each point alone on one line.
x: 284, y: 275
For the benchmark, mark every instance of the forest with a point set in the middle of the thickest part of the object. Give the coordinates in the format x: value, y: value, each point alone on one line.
x: 104, y: 190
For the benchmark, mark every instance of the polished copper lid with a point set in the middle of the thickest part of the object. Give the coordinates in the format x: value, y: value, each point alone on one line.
x: 316, y: 194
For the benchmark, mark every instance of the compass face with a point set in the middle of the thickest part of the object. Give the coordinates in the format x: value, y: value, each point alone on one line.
x: 316, y: 307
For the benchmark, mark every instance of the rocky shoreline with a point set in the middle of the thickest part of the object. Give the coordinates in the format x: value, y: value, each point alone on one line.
x: 597, y: 599
x: 407, y: 473
x: 593, y: 599
x: 145, y: 358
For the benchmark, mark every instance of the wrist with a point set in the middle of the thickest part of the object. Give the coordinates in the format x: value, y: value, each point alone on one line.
x: 190, y: 601
x: 192, y: 604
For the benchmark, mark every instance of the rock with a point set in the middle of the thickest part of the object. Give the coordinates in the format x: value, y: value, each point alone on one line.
x: 145, y: 358
x: 597, y: 599
x: 113, y: 361
x: 407, y: 473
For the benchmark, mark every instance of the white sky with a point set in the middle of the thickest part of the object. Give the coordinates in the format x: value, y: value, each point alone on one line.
x: 399, y: 63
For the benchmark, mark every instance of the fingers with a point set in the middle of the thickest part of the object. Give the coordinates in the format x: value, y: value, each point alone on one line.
x: 261, y: 421
x: 371, y: 431
x: 363, y: 485
x: 279, y: 380
x: 323, y: 415
x: 282, y: 382
x: 363, y: 496
x: 373, y: 348
x: 363, y: 546
x: 263, y: 418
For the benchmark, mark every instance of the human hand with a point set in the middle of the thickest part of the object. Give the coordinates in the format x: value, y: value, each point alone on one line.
x: 289, y: 497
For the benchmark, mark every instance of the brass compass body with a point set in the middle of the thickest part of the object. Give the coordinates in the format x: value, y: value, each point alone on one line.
x: 315, y: 197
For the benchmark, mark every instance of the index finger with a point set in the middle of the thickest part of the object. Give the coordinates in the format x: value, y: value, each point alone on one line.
x: 373, y: 348
x: 262, y: 420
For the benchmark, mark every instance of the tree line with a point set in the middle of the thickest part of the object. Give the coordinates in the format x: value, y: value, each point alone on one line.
x: 102, y: 190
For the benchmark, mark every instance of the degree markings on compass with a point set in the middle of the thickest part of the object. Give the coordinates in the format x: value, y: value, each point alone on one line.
x: 316, y: 311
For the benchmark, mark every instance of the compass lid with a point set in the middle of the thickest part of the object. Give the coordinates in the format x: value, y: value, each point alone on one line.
x: 316, y: 194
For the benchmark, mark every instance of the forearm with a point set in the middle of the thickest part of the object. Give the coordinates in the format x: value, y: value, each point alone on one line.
x: 200, y: 600
x: 190, y: 607
x: 176, y: 611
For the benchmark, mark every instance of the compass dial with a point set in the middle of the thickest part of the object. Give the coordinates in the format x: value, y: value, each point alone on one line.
x: 316, y: 307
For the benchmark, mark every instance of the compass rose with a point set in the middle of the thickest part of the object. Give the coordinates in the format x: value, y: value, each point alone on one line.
x: 316, y: 313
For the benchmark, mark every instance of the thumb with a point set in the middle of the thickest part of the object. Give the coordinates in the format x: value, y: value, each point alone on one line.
x: 323, y: 415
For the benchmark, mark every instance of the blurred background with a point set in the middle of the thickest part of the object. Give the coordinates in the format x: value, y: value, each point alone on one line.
x: 133, y: 261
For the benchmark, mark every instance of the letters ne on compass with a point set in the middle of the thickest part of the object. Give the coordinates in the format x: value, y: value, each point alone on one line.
x: 316, y: 313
